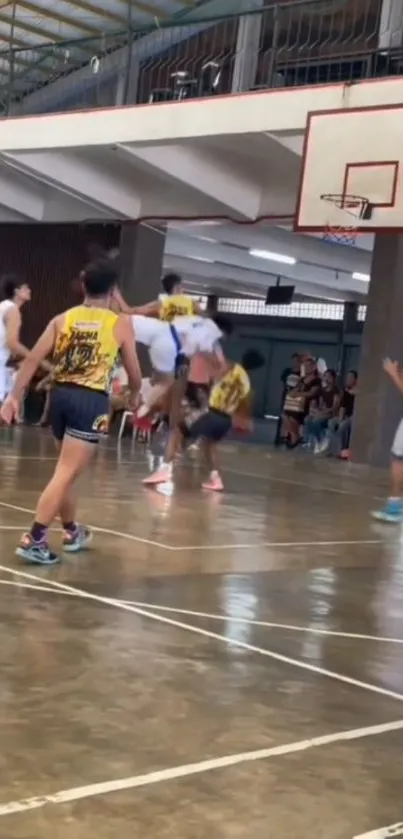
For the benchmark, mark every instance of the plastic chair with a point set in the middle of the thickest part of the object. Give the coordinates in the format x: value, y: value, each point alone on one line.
x: 140, y: 426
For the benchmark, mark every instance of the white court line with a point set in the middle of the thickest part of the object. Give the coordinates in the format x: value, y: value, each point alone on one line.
x: 302, y: 484
x: 268, y: 624
x: 249, y: 545
x: 10, y: 527
x: 186, y: 770
x: 383, y: 832
x: 123, y: 535
x: 117, y: 533
x: 206, y: 633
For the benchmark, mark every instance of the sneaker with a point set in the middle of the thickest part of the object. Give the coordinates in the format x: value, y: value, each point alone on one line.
x: 322, y: 446
x: 36, y: 553
x: 215, y: 484
x: 161, y: 476
x: 77, y: 540
x: 392, y: 512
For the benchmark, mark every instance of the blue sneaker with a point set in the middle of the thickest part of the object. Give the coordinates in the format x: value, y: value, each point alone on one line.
x: 77, y: 540
x: 392, y: 512
x: 36, y: 553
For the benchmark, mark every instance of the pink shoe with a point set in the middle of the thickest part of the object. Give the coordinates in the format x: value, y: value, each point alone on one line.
x: 161, y: 476
x: 215, y: 483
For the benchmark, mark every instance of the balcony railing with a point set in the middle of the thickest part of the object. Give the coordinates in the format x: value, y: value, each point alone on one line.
x: 289, y: 43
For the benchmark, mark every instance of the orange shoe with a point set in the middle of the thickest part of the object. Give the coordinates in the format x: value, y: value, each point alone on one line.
x: 215, y: 483
x: 161, y: 476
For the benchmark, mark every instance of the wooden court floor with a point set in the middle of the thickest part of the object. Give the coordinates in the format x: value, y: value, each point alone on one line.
x: 225, y: 666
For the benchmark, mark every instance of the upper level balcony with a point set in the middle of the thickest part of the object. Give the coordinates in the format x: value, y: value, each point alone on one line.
x: 75, y: 54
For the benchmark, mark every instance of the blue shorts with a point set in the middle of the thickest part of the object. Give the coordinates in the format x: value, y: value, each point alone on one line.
x: 212, y: 426
x: 79, y: 412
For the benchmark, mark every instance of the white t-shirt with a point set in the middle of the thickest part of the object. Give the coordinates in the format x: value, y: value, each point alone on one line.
x: 196, y: 334
x: 147, y: 330
x: 5, y: 307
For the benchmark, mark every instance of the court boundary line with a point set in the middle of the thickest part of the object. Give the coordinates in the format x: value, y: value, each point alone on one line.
x: 119, y: 534
x: 187, y: 770
x: 216, y: 636
x: 384, y: 639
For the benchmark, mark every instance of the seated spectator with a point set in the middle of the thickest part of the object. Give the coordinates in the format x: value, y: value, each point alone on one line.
x: 290, y: 378
x: 322, y: 409
x: 297, y: 403
x: 340, y: 426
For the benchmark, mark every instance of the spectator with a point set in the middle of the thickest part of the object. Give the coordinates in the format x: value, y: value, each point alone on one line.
x: 298, y: 401
x: 340, y: 426
x: 322, y: 409
x: 290, y: 378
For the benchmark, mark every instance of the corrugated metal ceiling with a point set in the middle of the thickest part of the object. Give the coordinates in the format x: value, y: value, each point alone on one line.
x: 37, y: 37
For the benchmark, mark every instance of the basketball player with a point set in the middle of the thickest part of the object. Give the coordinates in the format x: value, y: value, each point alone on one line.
x: 84, y: 342
x: 169, y: 344
x: 229, y: 405
x: 171, y: 304
x: 15, y: 293
x: 392, y: 511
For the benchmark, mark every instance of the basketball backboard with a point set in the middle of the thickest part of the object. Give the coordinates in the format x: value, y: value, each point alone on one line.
x: 357, y: 151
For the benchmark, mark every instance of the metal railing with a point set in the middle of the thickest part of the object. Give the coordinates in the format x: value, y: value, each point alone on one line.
x: 289, y: 43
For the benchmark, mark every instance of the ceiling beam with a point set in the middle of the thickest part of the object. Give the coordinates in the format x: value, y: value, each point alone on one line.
x: 97, y: 10
x: 39, y: 32
x: 153, y: 11
x: 54, y: 15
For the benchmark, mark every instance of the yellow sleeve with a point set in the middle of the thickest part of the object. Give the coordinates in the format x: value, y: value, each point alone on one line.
x: 245, y: 384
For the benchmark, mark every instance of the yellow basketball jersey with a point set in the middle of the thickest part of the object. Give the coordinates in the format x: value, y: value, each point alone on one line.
x: 227, y: 394
x: 86, y: 348
x: 176, y: 306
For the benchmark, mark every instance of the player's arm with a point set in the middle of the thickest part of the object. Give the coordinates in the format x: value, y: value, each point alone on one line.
x: 126, y: 339
x: 150, y: 310
x: 392, y: 369
x: 242, y: 418
x: 197, y: 310
x: 12, y: 322
x: 35, y: 358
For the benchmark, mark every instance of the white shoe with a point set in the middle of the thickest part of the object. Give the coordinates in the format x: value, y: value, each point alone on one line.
x: 322, y: 447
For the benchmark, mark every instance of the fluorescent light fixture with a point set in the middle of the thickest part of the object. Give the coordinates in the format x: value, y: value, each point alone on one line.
x: 364, y: 277
x: 274, y: 257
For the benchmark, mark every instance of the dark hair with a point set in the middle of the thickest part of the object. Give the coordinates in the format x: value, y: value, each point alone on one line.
x: 332, y: 373
x: 99, y: 277
x: 353, y: 373
x: 296, y: 355
x: 252, y: 360
x: 224, y: 324
x: 170, y: 281
x: 10, y: 283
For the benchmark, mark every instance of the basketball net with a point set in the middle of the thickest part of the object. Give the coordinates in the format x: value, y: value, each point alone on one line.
x: 345, y: 217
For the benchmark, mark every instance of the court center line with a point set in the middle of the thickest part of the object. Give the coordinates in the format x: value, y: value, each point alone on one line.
x: 188, y: 769
x: 117, y: 533
x: 206, y: 633
x: 228, y: 618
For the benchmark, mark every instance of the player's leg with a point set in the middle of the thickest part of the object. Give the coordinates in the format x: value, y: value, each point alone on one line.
x: 76, y: 418
x: 392, y: 511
